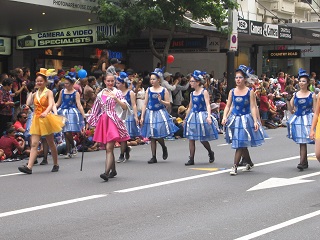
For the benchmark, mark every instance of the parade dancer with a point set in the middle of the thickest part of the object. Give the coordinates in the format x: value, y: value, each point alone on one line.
x: 243, y: 129
x: 110, y: 128
x: 69, y: 106
x: 132, y: 122
x: 199, y: 123
x: 44, y: 123
x: 155, y: 120
x: 299, y: 124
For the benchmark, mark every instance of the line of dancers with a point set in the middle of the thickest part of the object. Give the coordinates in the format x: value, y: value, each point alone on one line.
x: 115, y: 118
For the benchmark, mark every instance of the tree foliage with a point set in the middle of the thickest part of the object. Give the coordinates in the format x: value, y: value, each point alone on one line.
x: 134, y: 16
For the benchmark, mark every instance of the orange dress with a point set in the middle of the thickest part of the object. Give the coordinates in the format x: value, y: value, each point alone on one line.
x: 318, y: 129
x: 48, y: 125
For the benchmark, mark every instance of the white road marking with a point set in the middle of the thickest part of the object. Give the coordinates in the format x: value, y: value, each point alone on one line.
x: 11, y: 174
x: 50, y: 205
x: 279, y: 226
x: 197, y: 176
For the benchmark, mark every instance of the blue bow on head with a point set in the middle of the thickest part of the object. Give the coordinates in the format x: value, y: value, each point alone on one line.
x: 243, y: 69
x: 158, y: 72
x: 302, y: 73
x: 250, y: 70
x: 71, y: 76
x: 197, y: 75
x: 122, y: 77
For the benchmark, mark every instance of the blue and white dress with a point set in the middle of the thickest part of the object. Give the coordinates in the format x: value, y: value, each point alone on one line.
x: 299, y: 124
x: 240, y: 124
x: 68, y: 109
x: 157, y: 121
x: 196, y: 127
x: 131, y: 125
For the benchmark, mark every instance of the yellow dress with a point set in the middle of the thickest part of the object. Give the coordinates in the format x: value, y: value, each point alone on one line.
x: 48, y: 125
x: 318, y: 129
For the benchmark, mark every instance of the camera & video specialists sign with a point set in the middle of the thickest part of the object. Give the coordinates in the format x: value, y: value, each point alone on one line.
x: 77, y: 36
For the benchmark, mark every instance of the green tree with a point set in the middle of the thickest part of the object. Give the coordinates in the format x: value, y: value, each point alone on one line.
x: 134, y: 16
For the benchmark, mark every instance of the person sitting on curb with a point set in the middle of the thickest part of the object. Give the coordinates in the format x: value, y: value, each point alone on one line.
x: 11, y: 145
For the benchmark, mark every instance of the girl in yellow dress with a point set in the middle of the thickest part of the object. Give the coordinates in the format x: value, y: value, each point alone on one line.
x: 44, y: 123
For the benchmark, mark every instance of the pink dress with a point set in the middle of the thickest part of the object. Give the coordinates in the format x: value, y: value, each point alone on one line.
x: 109, y: 127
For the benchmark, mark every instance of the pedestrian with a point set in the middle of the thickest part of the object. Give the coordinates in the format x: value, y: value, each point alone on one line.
x: 110, y: 128
x: 44, y: 123
x: 132, y: 122
x: 6, y: 104
x: 243, y: 129
x: 199, y: 123
x: 155, y: 120
x: 69, y: 106
x: 299, y: 124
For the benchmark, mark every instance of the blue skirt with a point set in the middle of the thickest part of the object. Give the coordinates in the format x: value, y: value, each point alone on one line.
x: 28, y: 125
x: 299, y: 128
x: 240, y: 132
x: 74, y: 122
x: 158, y: 124
x: 132, y: 127
x: 197, y: 128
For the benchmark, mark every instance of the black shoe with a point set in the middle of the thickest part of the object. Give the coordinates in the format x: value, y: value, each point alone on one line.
x: 44, y: 162
x: 164, y: 153
x: 152, y: 160
x: 55, y: 168
x: 104, y: 176
x: 189, y: 163
x: 112, y: 174
x: 127, y: 153
x: 211, y: 157
x: 25, y: 169
x: 301, y: 167
x: 35, y: 162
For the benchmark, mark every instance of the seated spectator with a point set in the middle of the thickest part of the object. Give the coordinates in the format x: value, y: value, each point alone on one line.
x: 10, y: 145
x: 20, y: 124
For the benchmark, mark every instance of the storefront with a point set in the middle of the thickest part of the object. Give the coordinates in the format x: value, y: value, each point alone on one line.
x: 5, y: 52
x: 66, y: 48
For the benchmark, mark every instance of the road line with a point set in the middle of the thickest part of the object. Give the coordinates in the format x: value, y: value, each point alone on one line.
x: 11, y: 174
x: 197, y: 176
x: 50, y: 205
x: 279, y: 226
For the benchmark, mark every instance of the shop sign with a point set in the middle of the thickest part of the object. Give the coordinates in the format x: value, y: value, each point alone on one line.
x: 285, y: 32
x: 79, y: 5
x: 284, y: 54
x: 213, y: 44
x: 308, y: 51
x: 5, y: 46
x: 243, y: 26
x: 256, y: 28
x: 270, y: 30
x: 84, y: 35
x: 176, y: 43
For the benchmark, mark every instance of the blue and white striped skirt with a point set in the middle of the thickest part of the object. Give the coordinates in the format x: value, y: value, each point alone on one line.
x: 158, y: 124
x: 197, y: 128
x: 299, y: 128
x: 240, y: 132
x: 74, y: 118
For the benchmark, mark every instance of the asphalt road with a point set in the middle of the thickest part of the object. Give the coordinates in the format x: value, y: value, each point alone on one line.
x: 166, y: 200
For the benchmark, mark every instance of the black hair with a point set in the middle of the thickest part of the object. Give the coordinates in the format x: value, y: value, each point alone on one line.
x: 20, y: 115
x: 7, y: 82
x: 91, y: 79
x: 30, y: 86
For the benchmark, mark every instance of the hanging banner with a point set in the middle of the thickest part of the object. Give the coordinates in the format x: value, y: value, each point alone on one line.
x: 78, y: 5
x: 84, y: 35
x: 5, y: 46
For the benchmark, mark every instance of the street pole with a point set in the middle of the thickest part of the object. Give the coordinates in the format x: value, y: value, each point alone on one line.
x: 233, y: 47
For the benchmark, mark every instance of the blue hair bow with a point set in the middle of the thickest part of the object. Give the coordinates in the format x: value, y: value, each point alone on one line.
x: 122, y: 77
x: 243, y: 69
x: 302, y: 73
x: 197, y: 75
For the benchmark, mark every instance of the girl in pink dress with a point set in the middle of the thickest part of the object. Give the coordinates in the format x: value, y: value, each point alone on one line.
x: 110, y: 128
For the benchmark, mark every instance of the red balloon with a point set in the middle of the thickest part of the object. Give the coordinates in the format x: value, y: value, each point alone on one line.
x: 170, y: 59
